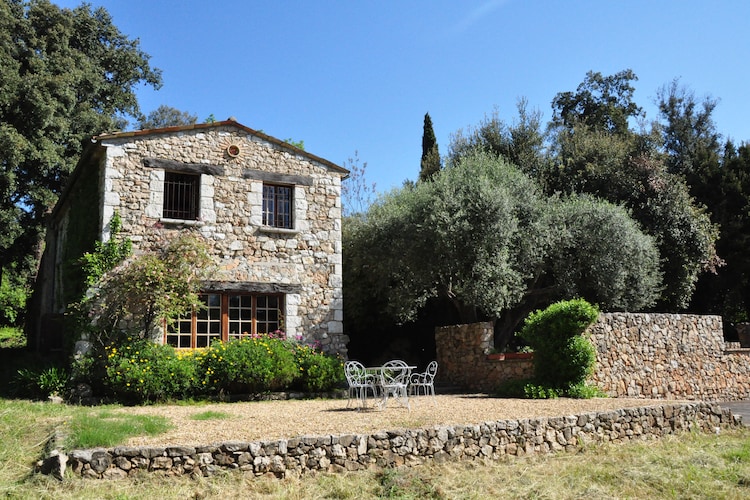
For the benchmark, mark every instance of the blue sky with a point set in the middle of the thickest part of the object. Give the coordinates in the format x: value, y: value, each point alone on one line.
x: 346, y: 76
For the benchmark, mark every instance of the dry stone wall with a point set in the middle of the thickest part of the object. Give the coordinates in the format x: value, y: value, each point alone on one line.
x: 462, y: 355
x: 668, y: 356
x: 660, y: 356
x: 338, y: 453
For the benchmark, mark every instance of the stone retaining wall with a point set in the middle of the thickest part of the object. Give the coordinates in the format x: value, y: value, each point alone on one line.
x: 462, y: 358
x: 661, y: 356
x: 488, y: 440
x: 668, y: 356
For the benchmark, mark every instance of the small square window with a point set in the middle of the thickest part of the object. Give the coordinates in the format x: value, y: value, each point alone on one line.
x: 181, y: 196
x: 277, y: 206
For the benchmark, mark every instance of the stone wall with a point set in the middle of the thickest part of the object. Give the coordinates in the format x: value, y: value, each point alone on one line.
x: 337, y: 453
x: 462, y: 356
x: 668, y: 356
x: 661, y: 356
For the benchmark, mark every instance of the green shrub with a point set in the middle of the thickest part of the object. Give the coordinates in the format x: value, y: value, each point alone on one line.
x: 512, y: 388
x: 563, y: 356
x: 42, y: 382
x: 11, y: 337
x: 141, y: 370
x: 251, y: 365
x: 13, y: 299
x: 584, y: 391
x: 137, y: 369
x: 534, y: 391
x: 318, y: 372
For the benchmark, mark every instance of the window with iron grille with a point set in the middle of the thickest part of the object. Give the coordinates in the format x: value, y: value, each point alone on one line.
x: 226, y: 316
x: 181, y: 196
x: 277, y: 206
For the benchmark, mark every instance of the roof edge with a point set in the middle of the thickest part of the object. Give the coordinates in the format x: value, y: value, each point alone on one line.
x: 223, y: 123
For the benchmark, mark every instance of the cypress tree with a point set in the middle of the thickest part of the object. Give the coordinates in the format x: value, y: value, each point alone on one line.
x: 430, y: 164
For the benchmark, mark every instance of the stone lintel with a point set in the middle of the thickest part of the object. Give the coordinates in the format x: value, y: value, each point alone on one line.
x: 250, y: 287
x: 178, y: 166
x: 261, y: 175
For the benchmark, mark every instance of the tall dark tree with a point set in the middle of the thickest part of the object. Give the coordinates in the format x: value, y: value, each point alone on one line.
x: 603, y: 103
x: 431, y: 163
x: 595, y: 152
x: 727, y: 292
x: 65, y: 75
x: 166, y: 116
x: 690, y: 136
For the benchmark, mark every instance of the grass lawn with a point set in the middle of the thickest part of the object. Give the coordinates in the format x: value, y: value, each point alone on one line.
x: 688, y: 466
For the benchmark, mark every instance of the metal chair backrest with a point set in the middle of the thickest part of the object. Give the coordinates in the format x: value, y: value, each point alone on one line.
x: 429, y: 374
x: 355, y: 372
x: 394, y: 372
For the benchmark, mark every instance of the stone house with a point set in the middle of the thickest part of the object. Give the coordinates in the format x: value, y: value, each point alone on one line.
x: 270, y: 212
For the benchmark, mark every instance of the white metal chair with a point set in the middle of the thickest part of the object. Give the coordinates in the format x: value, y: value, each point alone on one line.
x: 424, y: 382
x: 359, y: 383
x: 394, y: 381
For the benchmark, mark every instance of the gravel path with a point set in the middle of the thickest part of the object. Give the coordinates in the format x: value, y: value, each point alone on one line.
x: 261, y: 420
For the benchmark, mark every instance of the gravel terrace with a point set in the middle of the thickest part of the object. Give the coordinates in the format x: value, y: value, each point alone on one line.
x: 267, y: 420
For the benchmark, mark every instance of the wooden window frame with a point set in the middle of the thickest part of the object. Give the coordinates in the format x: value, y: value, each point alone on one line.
x: 278, y: 205
x: 225, y: 335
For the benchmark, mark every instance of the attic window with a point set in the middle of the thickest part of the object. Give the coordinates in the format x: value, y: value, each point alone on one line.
x: 181, y: 196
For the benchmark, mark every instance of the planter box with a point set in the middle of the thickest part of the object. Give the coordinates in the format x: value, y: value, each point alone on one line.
x: 503, y: 356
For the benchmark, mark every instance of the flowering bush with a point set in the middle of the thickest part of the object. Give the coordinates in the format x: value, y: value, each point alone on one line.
x: 318, y: 372
x: 141, y: 370
x: 255, y: 364
x: 137, y: 370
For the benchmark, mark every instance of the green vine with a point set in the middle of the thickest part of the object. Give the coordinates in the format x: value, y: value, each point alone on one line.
x: 106, y: 255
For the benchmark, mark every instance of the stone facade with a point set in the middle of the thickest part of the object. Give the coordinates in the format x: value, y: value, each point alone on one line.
x: 661, y: 356
x: 303, y: 263
x: 339, y: 453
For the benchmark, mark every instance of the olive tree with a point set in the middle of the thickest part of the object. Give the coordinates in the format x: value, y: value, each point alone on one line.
x: 484, y: 239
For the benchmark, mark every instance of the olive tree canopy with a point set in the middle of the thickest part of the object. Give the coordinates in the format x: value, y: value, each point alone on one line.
x: 484, y: 238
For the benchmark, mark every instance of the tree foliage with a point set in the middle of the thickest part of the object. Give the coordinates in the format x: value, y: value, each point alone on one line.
x: 166, y: 116
x: 357, y: 193
x: 65, y: 75
x: 595, y: 153
x: 484, y: 238
x: 603, y: 103
x: 689, y: 134
x: 522, y: 143
x: 136, y: 296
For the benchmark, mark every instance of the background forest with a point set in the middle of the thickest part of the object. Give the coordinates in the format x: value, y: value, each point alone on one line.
x: 598, y: 203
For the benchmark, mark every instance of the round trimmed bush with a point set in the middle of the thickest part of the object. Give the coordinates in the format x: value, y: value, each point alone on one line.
x: 563, y: 355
